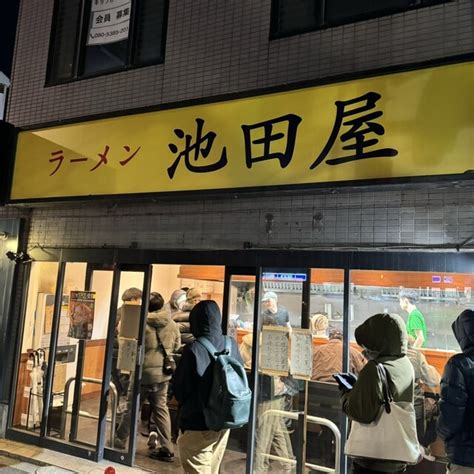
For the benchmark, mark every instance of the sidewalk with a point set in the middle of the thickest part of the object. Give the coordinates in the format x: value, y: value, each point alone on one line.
x: 17, y: 458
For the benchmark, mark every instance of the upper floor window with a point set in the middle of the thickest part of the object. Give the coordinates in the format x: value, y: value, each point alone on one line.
x: 93, y: 37
x: 290, y: 17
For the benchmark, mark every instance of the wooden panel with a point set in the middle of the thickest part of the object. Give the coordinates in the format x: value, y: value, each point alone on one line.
x: 358, y: 277
x: 410, y: 279
x: 202, y: 272
x: 21, y: 403
x: 93, y: 364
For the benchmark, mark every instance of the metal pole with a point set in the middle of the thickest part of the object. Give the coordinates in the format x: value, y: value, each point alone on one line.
x: 252, y: 425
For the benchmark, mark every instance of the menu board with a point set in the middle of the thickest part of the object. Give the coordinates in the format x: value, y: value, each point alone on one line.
x: 274, y: 350
x: 301, y: 353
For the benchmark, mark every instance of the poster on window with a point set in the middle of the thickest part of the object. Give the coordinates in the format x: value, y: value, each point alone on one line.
x: 274, y: 350
x: 109, y: 21
x: 81, y: 314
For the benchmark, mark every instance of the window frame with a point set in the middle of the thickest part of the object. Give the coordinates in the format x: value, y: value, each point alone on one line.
x: 324, y: 25
x: 80, y: 45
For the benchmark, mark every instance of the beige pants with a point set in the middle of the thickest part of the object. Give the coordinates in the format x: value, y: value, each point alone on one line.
x: 201, y: 452
x: 272, y: 438
x: 457, y: 469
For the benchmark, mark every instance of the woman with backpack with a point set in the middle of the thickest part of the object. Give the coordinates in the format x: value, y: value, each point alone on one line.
x: 380, y: 402
x: 201, y: 448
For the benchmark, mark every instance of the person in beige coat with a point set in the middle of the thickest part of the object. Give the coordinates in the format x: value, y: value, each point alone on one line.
x: 161, y: 336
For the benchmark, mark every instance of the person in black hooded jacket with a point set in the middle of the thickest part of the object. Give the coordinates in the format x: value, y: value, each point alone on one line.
x: 201, y: 450
x: 456, y: 420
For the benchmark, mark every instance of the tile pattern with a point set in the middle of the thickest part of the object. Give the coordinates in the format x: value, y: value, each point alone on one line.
x: 403, y: 216
x: 219, y: 47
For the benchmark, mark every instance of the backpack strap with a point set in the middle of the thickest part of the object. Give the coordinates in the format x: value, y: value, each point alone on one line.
x: 211, y: 349
x: 209, y: 346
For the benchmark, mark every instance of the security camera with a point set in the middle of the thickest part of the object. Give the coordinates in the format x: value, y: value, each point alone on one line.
x: 19, y: 257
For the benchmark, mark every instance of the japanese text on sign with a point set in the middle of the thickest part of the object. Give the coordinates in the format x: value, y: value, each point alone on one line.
x: 359, y: 130
x: 109, y: 21
x: 274, y: 350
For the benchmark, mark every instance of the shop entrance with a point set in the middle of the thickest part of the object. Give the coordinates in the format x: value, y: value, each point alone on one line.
x: 65, y: 395
x: 294, y: 326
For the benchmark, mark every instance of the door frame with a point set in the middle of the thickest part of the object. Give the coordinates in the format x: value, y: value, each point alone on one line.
x: 128, y: 457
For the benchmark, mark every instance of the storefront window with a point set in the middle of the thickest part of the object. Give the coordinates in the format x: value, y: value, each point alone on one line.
x: 427, y: 303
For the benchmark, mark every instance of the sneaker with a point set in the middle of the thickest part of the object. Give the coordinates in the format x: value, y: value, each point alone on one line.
x: 152, y: 440
x: 162, y: 454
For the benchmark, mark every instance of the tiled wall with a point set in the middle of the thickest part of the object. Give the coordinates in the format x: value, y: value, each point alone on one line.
x: 222, y: 46
x: 219, y: 47
x: 408, y: 216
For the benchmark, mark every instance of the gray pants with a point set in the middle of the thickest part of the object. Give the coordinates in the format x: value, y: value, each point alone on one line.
x: 157, y: 394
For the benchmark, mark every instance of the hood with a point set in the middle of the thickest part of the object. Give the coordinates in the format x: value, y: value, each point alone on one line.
x: 383, y: 335
x: 177, y: 299
x: 463, y: 329
x: 159, y: 319
x: 205, y: 319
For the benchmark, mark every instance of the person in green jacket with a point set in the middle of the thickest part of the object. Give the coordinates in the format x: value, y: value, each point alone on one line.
x: 384, y: 340
x: 416, y: 325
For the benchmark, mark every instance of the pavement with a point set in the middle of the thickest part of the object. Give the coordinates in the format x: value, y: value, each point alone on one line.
x: 19, y: 458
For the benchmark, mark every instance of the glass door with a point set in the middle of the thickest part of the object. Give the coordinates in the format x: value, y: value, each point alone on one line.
x: 122, y: 374
x: 300, y: 327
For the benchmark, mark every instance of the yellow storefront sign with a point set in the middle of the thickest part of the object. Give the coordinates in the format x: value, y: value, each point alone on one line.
x: 410, y: 124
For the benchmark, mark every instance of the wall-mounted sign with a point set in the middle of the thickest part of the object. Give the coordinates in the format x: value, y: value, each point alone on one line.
x: 109, y: 21
x: 410, y: 124
x: 284, y: 276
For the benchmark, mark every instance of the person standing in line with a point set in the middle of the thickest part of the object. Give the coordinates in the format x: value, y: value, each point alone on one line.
x: 180, y: 315
x: 193, y: 297
x: 416, y: 325
x: 426, y: 377
x: 201, y: 450
x: 384, y: 339
x: 456, y: 419
x: 162, y: 338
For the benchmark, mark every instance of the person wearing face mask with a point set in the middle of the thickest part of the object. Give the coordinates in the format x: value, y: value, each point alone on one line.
x: 384, y: 339
x: 272, y: 313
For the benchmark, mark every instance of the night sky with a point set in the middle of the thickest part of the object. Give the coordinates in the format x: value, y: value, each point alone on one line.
x: 8, y: 20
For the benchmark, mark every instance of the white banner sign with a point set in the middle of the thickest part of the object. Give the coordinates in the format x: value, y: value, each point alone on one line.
x: 109, y: 22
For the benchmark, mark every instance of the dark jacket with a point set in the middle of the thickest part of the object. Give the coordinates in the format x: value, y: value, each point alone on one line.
x: 193, y: 378
x: 456, y: 420
x: 160, y: 332
x: 384, y: 337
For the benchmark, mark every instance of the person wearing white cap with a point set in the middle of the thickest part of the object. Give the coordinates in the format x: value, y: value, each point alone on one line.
x: 272, y: 313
